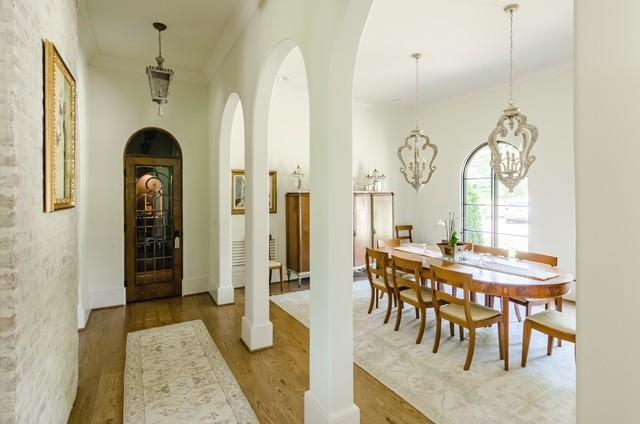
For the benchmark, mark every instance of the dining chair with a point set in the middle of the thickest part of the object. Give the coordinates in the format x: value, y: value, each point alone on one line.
x: 493, y: 251
x: 406, y: 231
x: 377, y: 264
x: 274, y: 265
x: 458, y: 311
x: 553, y: 324
x: 410, y: 288
x: 388, y: 243
x: 488, y: 250
x: 529, y: 303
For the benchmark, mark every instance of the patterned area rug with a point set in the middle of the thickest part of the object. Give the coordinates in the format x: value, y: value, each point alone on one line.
x: 437, y: 386
x: 176, y: 374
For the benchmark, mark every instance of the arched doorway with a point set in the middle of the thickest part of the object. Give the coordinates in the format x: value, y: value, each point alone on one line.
x: 153, y: 215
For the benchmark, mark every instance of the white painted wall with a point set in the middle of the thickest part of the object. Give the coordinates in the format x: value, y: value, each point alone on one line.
x: 120, y: 105
x: 608, y: 201
x: 460, y: 124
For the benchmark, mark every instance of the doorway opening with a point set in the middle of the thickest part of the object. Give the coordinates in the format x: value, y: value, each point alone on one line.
x: 153, y: 215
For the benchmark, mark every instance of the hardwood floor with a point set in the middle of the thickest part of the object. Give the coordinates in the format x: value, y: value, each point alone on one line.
x: 274, y: 380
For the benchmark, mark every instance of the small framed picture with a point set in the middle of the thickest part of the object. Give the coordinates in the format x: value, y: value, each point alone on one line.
x: 59, y: 131
x: 238, y: 190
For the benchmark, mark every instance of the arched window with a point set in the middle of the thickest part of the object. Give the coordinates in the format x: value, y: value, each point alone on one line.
x: 492, y: 216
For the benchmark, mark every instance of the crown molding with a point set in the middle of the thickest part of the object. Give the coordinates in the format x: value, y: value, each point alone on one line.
x: 232, y: 30
x: 129, y: 65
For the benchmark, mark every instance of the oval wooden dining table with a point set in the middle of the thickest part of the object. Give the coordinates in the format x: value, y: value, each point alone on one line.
x: 500, y: 284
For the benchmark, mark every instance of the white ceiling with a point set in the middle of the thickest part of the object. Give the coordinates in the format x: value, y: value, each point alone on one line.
x: 123, y: 29
x: 464, y: 44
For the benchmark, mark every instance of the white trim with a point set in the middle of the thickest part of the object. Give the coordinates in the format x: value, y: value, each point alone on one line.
x: 83, y: 317
x: 195, y: 285
x: 109, y: 297
x: 314, y: 413
x: 257, y: 337
x: 223, y: 295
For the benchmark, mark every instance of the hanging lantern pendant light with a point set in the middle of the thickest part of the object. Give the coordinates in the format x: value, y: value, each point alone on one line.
x: 511, y: 167
x: 159, y: 76
x: 416, y: 169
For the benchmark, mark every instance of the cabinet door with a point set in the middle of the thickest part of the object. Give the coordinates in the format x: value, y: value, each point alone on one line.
x: 382, y: 216
x: 293, y: 235
x: 362, y: 237
x: 305, y: 230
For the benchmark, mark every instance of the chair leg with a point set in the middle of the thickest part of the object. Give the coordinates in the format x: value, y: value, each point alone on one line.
x: 526, y: 337
x: 472, y: 346
x: 528, y: 309
x: 269, y: 285
x: 281, y: 281
x: 517, y: 310
x: 423, y: 323
x: 549, y: 345
x: 399, y: 316
x: 436, y: 341
x: 417, y: 313
x: 473, y: 297
x: 461, y: 328
x: 373, y: 294
x: 377, y: 298
x: 389, y: 303
x: 500, y: 340
x: 452, y: 329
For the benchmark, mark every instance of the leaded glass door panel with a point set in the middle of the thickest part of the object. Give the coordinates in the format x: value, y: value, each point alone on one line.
x: 153, y: 227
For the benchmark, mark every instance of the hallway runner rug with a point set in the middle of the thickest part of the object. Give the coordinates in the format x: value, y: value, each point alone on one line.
x: 437, y: 386
x: 176, y: 374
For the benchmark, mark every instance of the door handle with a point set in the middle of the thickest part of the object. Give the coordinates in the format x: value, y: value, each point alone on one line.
x: 176, y: 239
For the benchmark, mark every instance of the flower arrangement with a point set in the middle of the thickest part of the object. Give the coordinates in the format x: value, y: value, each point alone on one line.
x: 451, y: 246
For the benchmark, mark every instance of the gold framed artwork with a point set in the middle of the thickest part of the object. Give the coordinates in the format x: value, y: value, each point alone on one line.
x: 238, y: 190
x: 59, y: 131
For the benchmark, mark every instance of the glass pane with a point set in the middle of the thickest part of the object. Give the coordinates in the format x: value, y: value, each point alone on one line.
x: 512, y: 242
x: 513, y: 220
x: 477, y: 218
x: 478, y: 237
x: 479, y: 165
x: 477, y: 191
x: 519, y: 196
x: 154, y: 224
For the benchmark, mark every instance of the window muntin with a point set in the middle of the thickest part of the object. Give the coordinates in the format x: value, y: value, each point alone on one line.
x: 491, y: 215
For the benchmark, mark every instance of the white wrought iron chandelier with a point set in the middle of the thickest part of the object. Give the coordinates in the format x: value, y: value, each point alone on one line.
x: 159, y: 76
x: 417, y: 168
x: 512, y: 166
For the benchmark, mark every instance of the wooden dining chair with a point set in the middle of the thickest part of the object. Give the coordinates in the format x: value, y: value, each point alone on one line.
x: 377, y: 264
x: 488, y: 250
x: 493, y: 251
x: 529, y: 303
x: 461, y: 311
x: 274, y: 265
x: 404, y: 232
x: 553, y: 324
x: 388, y: 243
x: 410, y: 288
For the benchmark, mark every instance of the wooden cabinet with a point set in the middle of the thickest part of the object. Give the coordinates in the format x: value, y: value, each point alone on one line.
x: 298, y: 229
x: 372, y: 221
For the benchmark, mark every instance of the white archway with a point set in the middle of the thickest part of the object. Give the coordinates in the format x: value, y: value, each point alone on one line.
x: 224, y: 294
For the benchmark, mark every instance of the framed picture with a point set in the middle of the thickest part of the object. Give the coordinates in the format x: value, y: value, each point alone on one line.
x: 238, y: 190
x: 59, y: 131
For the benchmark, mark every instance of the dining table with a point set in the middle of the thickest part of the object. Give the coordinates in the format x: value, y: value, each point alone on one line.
x: 504, y: 278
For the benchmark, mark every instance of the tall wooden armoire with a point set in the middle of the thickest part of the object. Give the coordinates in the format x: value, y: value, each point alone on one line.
x: 298, y: 229
x: 372, y: 221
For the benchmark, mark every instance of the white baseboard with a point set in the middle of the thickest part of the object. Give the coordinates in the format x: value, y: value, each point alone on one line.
x: 195, y: 285
x: 106, y: 298
x: 83, y: 317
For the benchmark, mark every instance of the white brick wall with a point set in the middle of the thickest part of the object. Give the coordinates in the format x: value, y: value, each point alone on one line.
x: 38, y: 251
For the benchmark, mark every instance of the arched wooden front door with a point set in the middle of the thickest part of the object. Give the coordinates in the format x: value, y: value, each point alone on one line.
x: 153, y: 215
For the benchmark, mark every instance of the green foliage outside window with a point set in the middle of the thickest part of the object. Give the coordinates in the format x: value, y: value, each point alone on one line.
x: 473, y: 218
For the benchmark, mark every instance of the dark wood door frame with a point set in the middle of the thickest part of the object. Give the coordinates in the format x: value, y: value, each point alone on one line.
x: 136, y: 292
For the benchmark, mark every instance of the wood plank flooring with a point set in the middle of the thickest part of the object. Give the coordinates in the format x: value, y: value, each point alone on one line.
x: 274, y: 380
